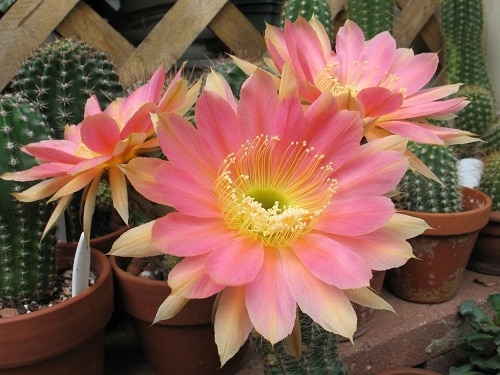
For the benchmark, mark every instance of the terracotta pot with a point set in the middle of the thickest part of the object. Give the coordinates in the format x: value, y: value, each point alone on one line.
x: 184, y: 344
x: 485, y: 257
x: 442, y: 252
x: 68, y: 338
x: 407, y: 371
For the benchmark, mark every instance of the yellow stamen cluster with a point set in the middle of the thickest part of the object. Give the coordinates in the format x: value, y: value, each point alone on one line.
x: 271, y: 194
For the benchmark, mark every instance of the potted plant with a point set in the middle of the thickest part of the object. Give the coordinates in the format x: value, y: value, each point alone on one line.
x: 455, y: 216
x: 485, y: 257
x: 30, y: 266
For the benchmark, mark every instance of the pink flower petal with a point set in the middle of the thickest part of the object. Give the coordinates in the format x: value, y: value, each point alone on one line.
x: 269, y: 300
x: 189, y: 279
x: 411, y: 130
x: 381, y: 249
x: 355, y: 215
x: 325, y: 304
x: 38, y: 172
x: 60, y: 151
x: 239, y: 253
x: 378, y: 101
x: 184, y: 235
x: 92, y: 107
x: 332, y: 262
x: 417, y: 71
x: 140, y: 121
x: 350, y: 42
x: 100, y: 133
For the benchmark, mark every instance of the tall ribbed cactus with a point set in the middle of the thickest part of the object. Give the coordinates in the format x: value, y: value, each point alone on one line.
x: 27, y: 265
x: 61, y: 76
x: 319, y: 353
x: 320, y: 9
x: 491, y: 138
x: 490, y: 181
x: 422, y: 194
x: 462, y: 26
x: 372, y: 16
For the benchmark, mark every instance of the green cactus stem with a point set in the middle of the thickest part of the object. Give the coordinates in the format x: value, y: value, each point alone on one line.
x: 465, y: 62
x: 319, y: 353
x: 374, y: 16
x: 490, y: 181
x: 320, y: 9
x: 61, y: 76
x: 422, y: 194
x: 27, y: 264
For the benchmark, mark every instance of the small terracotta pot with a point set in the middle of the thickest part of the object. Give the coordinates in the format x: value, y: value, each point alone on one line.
x: 407, y: 371
x: 184, y: 344
x: 68, y: 338
x: 442, y: 252
x: 485, y: 257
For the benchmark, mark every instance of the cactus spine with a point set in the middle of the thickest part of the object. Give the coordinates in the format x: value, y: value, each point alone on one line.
x: 490, y: 182
x: 374, y: 16
x: 422, y: 194
x: 319, y: 353
x: 27, y: 265
x: 320, y: 9
x: 462, y: 24
x: 61, y: 76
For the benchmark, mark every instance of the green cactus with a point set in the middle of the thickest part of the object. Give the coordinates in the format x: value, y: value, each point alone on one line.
x: 422, y: 194
x: 374, y: 16
x: 61, y: 76
x: 319, y: 353
x: 490, y: 181
x: 320, y: 9
x: 491, y: 138
x: 27, y: 264
x: 465, y: 62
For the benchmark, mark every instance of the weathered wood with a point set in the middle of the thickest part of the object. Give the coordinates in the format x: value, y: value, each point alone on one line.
x: 237, y: 32
x: 170, y: 38
x: 414, y: 15
x: 85, y: 24
x: 24, y: 27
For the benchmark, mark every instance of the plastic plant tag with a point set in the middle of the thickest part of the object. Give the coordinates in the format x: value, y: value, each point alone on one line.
x: 81, y: 267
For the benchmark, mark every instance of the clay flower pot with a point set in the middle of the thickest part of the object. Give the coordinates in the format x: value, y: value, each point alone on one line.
x: 442, y: 253
x: 184, y: 344
x: 68, y: 338
x: 101, y: 243
x: 485, y: 257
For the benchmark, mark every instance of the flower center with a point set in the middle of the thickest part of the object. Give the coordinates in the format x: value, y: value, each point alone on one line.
x: 273, y: 192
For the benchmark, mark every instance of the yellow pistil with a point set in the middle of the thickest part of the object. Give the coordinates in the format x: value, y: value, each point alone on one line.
x: 274, y: 195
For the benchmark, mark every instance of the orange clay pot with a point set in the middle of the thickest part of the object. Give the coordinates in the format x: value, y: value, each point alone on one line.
x: 68, y: 338
x: 184, y: 344
x: 442, y: 252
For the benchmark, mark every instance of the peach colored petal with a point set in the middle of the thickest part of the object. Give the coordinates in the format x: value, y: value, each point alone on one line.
x: 216, y: 83
x: 170, y: 307
x: 366, y: 297
x: 232, y: 324
x: 119, y: 195
x: 57, y: 214
x: 135, y: 242
x: 140, y: 172
x: 76, y: 183
x: 43, y: 189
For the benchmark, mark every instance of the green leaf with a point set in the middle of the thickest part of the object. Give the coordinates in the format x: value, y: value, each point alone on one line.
x: 495, y: 301
x: 492, y: 363
x: 467, y: 369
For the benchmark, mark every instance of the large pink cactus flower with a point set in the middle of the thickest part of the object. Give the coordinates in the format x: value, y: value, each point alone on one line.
x: 385, y: 82
x: 102, y: 142
x: 277, y: 206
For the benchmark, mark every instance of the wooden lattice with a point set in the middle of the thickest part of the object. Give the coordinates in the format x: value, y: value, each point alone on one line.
x: 29, y: 22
